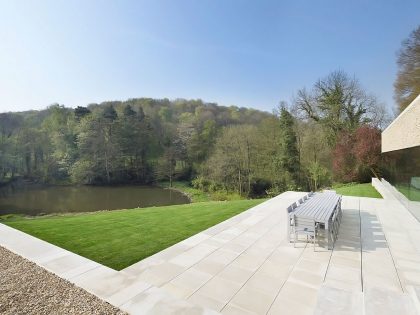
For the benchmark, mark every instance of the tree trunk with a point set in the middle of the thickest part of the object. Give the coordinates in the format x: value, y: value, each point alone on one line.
x: 170, y: 176
x: 249, y: 166
x: 240, y: 183
x: 108, y: 177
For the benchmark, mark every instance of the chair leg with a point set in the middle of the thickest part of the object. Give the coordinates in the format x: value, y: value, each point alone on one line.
x: 314, y: 241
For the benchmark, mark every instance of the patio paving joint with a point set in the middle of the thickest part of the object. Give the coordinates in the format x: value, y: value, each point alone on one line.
x: 288, y: 276
x: 390, y: 253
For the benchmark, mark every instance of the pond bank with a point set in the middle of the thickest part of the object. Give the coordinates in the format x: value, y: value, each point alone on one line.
x: 194, y: 195
x: 197, y: 195
x: 41, y: 199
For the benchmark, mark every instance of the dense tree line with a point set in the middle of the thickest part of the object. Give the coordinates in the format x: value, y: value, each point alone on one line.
x: 139, y: 140
x: 329, y: 133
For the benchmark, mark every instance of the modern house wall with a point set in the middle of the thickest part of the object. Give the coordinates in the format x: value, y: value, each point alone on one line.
x: 401, y: 151
x: 404, y: 131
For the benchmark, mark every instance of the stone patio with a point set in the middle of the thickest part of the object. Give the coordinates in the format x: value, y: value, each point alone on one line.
x: 245, y: 265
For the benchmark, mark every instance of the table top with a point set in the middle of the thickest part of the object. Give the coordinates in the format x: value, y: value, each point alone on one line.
x: 319, y: 207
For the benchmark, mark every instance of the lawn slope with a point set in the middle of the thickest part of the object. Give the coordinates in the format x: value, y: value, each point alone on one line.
x: 358, y: 190
x: 118, y: 239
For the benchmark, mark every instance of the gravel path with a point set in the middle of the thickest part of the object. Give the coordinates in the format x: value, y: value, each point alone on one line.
x: 26, y: 288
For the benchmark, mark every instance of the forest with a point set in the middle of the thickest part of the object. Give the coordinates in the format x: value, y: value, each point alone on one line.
x: 329, y: 133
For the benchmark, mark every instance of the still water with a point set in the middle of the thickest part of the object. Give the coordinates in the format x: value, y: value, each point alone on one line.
x: 53, y: 199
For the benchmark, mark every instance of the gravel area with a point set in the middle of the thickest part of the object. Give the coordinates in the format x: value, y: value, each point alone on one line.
x: 26, y: 288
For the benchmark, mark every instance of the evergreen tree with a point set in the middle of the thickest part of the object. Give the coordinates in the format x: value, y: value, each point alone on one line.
x: 80, y: 112
x: 109, y: 113
x: 288, y: 156
x: 128, y: 111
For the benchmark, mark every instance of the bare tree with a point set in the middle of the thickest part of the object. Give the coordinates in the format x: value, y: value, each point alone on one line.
x: 233, y: 160
x: 338, y: 102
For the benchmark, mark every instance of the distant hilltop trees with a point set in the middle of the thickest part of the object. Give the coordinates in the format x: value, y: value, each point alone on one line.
x: 138, y: 140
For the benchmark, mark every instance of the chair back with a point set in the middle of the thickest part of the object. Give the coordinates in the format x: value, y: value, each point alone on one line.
x: 304, y: 223
x: 334, y: 217
x: 291, y: 208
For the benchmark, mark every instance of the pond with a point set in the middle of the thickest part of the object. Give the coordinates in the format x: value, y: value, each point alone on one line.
x: 35, y: 200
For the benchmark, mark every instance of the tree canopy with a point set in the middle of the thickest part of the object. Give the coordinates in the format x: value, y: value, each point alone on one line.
x: 138, y: 140
x: 338, y: 102
x: 407, y: 83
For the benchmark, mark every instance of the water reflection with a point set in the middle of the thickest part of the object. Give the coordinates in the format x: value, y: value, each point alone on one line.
x: 35, y: 200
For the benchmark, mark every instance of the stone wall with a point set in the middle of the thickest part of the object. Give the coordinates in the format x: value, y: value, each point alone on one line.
x: 404, y: 131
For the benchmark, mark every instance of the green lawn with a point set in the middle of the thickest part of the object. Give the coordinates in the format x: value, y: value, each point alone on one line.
x: 358, y: 190
x: 197, y: 195
x: 120, y: 238
x: 411, y: 193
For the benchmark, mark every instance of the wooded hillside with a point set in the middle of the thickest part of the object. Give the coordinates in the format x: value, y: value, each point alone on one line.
x: 330, y: 133
x: 139, y: 140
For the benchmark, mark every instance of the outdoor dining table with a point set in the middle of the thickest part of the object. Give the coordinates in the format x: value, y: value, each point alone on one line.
x: 320, y: 208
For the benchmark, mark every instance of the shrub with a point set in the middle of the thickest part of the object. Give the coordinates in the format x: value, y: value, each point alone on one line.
x: 357, y: 155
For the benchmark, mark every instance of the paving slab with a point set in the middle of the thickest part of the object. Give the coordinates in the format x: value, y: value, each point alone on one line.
x: 188, y: 282
x: 378, y: 269
x: 344, y: 270
x: 332, y: 301
x: 219, y: 289
x: 158, y: 301
x: 236, y: 310
x: 252, y: 300
x: 386, y: 302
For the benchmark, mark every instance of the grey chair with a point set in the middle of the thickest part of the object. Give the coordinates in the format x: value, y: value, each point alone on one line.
x: 290, y: 225
x: 336, y: 219
x: 334, y: 224
x: 301, y: 200
x: 339, y: 210
x: 306, y: 197
x: 306, y: 227
x: 311, y: 194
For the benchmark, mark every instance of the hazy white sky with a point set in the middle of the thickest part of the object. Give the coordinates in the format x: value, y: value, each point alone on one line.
x: 246, y: 53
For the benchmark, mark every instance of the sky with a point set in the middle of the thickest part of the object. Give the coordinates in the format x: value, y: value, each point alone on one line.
x: 233, y: 52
